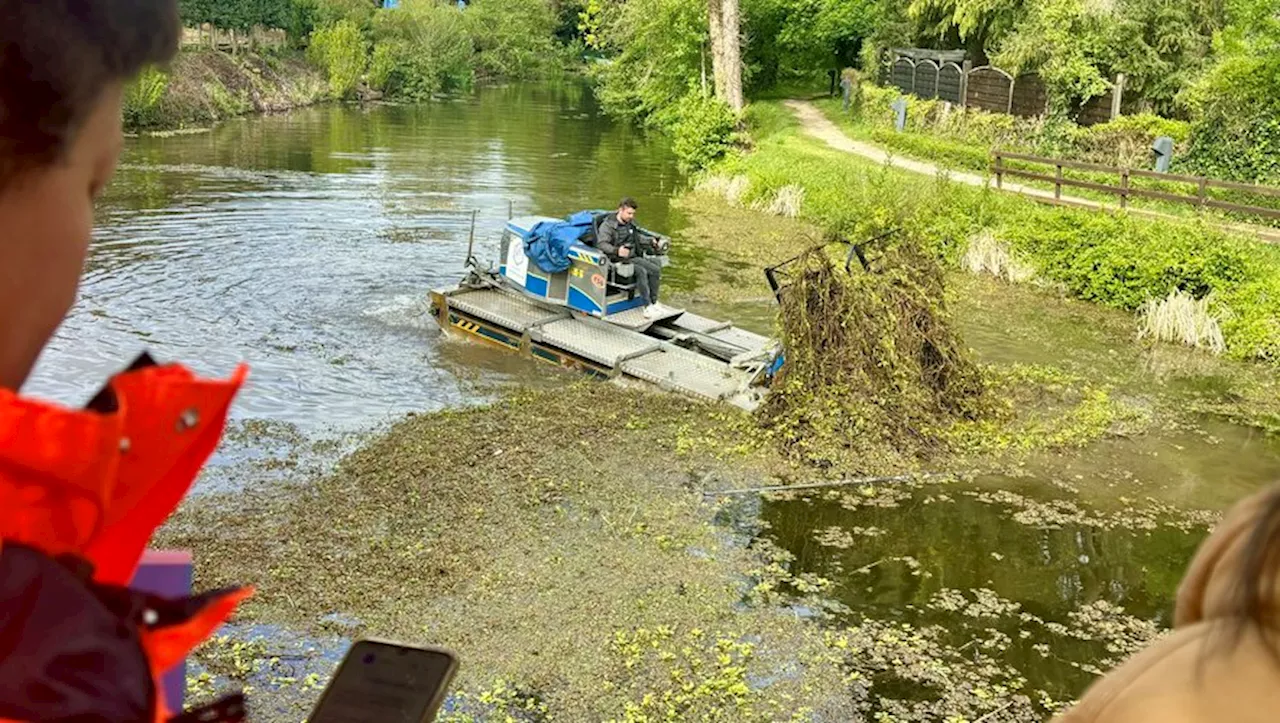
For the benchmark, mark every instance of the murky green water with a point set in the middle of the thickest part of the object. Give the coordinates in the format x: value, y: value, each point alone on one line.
x: 1006, y: 559
x: 305, y: 244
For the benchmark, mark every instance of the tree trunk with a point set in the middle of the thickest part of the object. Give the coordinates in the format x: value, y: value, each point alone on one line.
x: 731, y: 37
x: 715, y: 27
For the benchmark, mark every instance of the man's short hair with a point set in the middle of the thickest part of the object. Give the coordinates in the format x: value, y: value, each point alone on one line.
x: 57, y: 57
x: 630, y: 203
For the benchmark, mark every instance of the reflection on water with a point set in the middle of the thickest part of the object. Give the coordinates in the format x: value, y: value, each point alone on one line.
x: 903, y: 562
x: 305, y: 244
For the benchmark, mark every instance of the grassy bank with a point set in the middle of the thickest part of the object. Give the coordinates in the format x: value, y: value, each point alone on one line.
x: 964, y: 139
x: 205, y: 86
x: 1115, y: 260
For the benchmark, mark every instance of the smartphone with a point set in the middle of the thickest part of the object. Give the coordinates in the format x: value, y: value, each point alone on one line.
x: 387, y: 683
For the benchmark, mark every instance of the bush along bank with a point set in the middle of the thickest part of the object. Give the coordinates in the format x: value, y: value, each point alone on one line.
x: 1115, y: 260
x: 425, y: 47
x: 204, y: 86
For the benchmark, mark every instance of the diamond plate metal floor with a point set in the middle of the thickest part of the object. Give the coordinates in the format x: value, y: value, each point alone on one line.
x: 687, y: 371
x: 750, y: 341
x: 635, y: 320
x: 503, y: 308
x: 701, y: 324
x: 724, y: 331
x: 627, y: 350
x: 596, y: 341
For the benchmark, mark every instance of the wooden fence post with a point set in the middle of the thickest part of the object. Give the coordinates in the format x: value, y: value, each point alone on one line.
x: 1013, y: 83
x: 1202, y: 192
x: 1117, y: 96
x: 1057, y: 184
x: 1124, y: 188
x: 999, y: 170
x: 964, y: 83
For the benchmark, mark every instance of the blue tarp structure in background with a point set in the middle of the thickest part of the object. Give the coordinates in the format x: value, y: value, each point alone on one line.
x: 389, y: 4
x: 549, y: 242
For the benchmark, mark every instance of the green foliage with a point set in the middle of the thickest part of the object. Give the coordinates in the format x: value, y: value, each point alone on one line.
x: 798, y: 39
x: 589, y: 23
x: 702, y: 130
x: 1236, y: 132
x: 1063, y: 41
x: 1114, y: 260
x: 421, y: 48
x: 985, y: 22
x: 513, y: 38
x: 657, y: 56
x: 964, y: 139
x: 1145, y: 125
x: 238, y: 14
x: 1160, y: 46
x: 1122, y: 261
x: 342, y: 51
x: 142, y: 98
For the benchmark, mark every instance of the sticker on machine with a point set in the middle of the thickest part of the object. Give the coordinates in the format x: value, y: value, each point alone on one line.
x: 598, y: 280
x: 517, y: 262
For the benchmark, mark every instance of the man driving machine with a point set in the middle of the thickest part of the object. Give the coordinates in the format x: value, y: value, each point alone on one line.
x: 619, y: 238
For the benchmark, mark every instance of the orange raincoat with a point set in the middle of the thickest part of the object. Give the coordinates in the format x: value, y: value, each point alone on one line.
x: 81, y: 492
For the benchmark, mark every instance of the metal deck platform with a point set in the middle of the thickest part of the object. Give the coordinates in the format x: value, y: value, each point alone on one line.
x: 597, y: 341
x: 502, y: 308
x: 554, y: 335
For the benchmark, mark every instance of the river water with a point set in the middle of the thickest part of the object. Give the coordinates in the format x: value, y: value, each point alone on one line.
x: 305, y: 244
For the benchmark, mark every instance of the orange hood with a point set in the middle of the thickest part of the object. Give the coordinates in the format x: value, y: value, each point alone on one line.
x: 91, y: 486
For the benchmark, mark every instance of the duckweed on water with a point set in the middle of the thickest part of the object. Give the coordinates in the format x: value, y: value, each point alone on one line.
x: 531, y: 549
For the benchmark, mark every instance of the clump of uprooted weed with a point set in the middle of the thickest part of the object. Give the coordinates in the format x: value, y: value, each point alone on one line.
x: 873, y: 365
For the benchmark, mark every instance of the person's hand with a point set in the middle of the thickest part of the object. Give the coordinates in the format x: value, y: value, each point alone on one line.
x: 624, y: 252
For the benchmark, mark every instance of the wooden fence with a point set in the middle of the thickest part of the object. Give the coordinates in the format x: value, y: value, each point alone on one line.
x: 992, y: 89
x: 208, y: 36
x: 1125, y: 190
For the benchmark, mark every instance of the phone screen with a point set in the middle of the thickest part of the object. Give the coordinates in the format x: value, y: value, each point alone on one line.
x: 386, y: 683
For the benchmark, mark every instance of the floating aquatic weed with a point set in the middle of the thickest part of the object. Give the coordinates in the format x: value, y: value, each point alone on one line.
x: 837, y: 537
x: 914, y: 674
x: 986, y: 603
x: 871, y: 496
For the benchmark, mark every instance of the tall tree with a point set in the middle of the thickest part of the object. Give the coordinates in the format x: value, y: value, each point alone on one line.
x: 732, y: 40
x: 723, y: 28
x: 715, y: 31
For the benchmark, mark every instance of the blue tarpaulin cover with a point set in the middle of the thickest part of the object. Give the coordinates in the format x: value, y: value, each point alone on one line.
x: 548, y: 242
